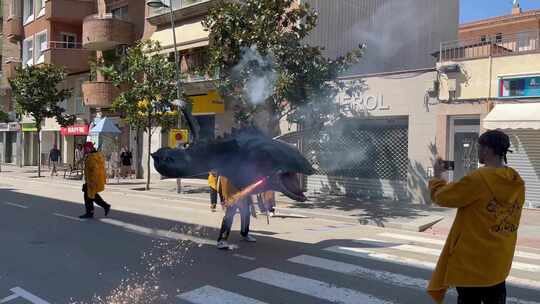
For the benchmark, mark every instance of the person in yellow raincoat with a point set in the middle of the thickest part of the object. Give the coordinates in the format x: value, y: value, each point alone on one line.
x: 94, y: 173
x: 212, y: 183
x: 228, y: 190
x: 479, y: 250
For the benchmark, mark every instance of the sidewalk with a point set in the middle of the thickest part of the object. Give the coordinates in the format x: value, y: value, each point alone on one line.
x: 383, y: 214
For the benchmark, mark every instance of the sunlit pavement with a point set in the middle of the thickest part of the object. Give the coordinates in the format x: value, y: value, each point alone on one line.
x: 151, y: 250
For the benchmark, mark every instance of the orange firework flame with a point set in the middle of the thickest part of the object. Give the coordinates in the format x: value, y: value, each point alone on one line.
x: 247, y: 191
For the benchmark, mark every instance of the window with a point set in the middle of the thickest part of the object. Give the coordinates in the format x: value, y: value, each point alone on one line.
x: 28, y: 11
x: 520, y: 87
x: 40, y: 7
x: 15, y: 8
x: 120, y: 12
x: 41, y: 46
x: 498, y: 37
x: 483, y: 38
x: 69, y: 40
x: 28, y: 51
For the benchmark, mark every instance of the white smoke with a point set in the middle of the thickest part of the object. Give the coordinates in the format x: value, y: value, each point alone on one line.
x: 260, y: 72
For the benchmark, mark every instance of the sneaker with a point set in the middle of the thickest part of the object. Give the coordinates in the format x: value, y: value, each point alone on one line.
x: 249, y: 238
x: 213, y: 208
x: 107, y: 209
x: 87, y: 216
x: 222, y: 245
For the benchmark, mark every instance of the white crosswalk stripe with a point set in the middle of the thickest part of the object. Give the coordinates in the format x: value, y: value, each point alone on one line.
x: 310, y: 287
x: 214, y: 295
x: 425, y: 240
x: 388, y: 248
x: 436, y: 252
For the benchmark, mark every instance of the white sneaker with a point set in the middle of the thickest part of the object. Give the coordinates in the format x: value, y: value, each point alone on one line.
x: 222, y: 245
x: 250, y: 239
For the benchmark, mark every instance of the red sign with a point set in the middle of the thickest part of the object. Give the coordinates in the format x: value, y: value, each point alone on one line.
x: 75, y: 130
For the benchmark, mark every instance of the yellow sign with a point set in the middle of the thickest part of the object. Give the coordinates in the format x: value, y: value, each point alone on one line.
x: 178, y: 137
x: 209, y: 103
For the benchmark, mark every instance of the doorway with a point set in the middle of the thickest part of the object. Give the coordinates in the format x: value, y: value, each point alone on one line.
x: 463, y: 143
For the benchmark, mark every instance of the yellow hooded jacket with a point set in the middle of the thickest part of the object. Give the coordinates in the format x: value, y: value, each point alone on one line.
x: 227, y: 189
x: 212, y: 181
x: 480, y: 246
x: 94, y: 173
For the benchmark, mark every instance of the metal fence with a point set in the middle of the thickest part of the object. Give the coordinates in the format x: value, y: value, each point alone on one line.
x: 487, y: 46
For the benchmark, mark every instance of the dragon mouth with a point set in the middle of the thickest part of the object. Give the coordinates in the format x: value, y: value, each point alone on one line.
x: 289, y: 185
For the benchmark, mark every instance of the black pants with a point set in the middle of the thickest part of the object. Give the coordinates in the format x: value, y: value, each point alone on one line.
x: 213, y: 197
x: 89, y: 202
x: 482, y: 295
x: 244, y: 206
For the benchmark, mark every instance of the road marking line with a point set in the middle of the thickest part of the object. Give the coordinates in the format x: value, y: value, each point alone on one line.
x: 158, y: 233
x: 245, y: 257
x: 16, y: 205
x: 310, y: 287
x: 69, y: 217
x: 395, y: 259
x: 213, y: 295
x: 519, y: 253
x: 21, y: 293
x: 436, y: 252
x: 395, y: 279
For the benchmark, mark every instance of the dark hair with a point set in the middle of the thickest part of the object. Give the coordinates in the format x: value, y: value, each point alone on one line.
x: 498, y: 141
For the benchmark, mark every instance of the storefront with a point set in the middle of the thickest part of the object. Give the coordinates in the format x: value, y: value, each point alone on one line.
x: 521, y: 121
x: 74, y: 135
x: 206, y: 109
x: 8, y: 142
x: 30, y: 149
x: 384, y: 147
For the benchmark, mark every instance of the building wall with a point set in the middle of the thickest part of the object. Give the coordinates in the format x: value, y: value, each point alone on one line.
x: 526, y: 21
x: 479, y: 79
x: 399, y: 34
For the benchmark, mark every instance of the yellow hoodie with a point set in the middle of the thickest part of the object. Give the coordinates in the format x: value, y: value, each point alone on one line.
x: 480, y: 246
x: 94, y: 173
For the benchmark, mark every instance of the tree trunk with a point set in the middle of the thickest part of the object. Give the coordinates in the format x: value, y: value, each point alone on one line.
x: 39, y: 151
x: 148, y: 159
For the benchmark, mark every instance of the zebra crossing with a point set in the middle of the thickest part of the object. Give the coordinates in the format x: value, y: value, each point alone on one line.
x: 313, y: 275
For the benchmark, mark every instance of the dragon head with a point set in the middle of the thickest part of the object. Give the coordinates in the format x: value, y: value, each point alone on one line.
x: 246, y: 158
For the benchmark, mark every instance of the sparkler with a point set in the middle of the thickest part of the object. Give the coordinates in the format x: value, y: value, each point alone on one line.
x: 247, y: 191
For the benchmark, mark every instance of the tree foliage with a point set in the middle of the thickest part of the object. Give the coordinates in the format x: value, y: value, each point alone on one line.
x: 37, y: 94
x: 303, y: 81
x: 4, y: 117
x: 147, y: 102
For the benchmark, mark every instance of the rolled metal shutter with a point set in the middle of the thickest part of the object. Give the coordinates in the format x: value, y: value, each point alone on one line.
x: 526, y: 160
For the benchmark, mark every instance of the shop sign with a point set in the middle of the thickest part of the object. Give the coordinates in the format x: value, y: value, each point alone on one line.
x: 9, y: 127
x: 519, y: 87
x: 362, y: 103
x: 75, y: 130
x: 209, y: 103
x: 29, y: 127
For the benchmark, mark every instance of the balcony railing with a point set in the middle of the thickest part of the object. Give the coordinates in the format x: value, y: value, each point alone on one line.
x: 176, y: 5
x: 488, y: 46
x: 105, y: 32
x: 68, y: 54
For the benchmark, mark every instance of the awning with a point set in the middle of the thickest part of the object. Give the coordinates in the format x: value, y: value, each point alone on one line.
x: 514, y: 116
x: 105, y: 126
x: 188, y: 35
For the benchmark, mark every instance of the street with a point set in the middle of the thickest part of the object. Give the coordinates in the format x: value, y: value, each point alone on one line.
x: 151, y: 250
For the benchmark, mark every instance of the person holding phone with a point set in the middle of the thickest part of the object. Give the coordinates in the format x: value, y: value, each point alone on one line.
x: 479, y: 250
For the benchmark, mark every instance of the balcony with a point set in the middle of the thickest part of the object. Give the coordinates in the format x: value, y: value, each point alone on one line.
x: 70, y: 55
x: 99, y: 94
x: 183, y: 9
x: 68, y: 11
x: 10, y: 68
x: 105, y: 32
x: 14, y: 29
x: 495, y: 46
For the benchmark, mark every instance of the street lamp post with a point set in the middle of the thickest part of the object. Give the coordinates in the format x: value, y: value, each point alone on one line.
x: 178, y: 101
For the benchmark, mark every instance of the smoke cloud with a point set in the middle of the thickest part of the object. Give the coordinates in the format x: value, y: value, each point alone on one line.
x: 260, y: 73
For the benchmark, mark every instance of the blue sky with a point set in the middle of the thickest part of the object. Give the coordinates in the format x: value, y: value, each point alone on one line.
x: 480, y: 9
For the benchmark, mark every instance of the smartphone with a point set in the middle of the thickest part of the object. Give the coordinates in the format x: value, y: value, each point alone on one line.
x: 449, y: 165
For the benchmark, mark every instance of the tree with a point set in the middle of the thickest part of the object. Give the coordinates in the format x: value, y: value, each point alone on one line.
x: 264, y: 64
x: 148, y: 101
x: 37, y: 94
x: 4, y: 117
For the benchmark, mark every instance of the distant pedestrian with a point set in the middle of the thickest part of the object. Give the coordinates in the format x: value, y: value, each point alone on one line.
x: 244, y: 204
x: 79, y: 157
x: 94, y: 173
x: 54, y: 159
x: 212, y: 183
x: 267, y: 202
x: 126, y: 158
x: 479, y: 250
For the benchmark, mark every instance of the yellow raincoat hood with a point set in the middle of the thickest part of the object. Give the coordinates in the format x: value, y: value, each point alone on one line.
x: 480, y: 246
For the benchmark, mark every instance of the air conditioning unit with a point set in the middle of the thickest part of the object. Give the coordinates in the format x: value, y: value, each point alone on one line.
x: 452, y: 85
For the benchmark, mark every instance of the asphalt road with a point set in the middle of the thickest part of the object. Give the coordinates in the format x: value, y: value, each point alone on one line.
x: 151, y: 250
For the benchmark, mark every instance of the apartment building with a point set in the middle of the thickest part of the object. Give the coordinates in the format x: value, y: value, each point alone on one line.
x: 492, y: 81
x: 77, y: 35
